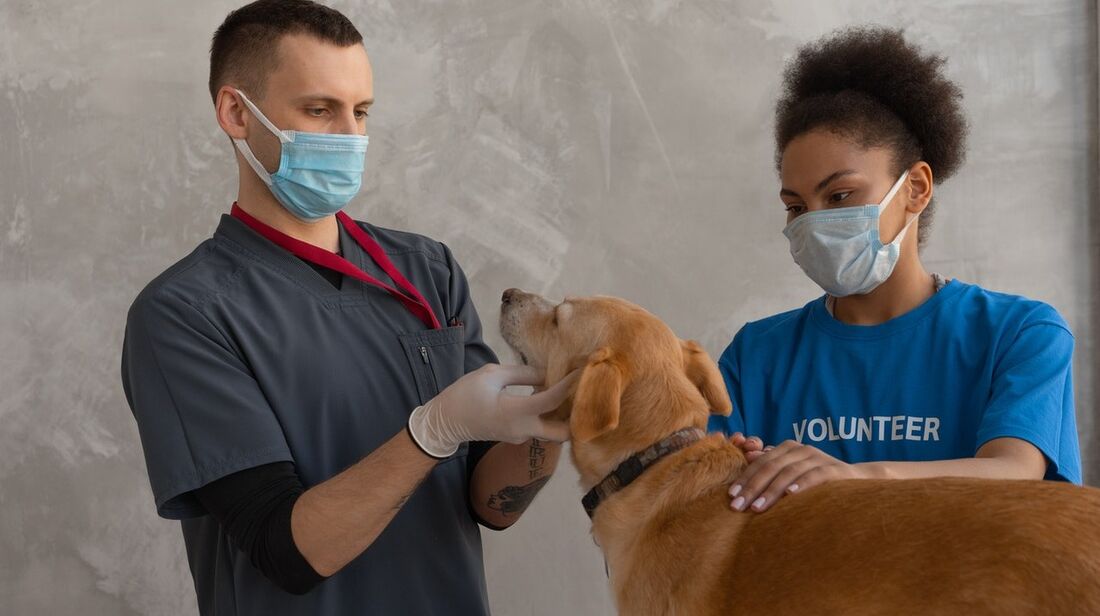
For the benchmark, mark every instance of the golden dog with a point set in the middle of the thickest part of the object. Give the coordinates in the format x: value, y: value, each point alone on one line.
x: 673, y: 545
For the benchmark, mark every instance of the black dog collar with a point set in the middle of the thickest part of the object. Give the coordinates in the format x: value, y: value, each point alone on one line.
x: 635, y: 465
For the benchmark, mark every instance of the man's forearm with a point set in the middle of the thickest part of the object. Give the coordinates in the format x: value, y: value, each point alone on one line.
x: 508, y: 478
x: 335, y: 521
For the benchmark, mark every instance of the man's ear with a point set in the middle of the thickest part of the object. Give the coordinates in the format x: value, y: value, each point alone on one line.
x: 231, y: 113
x: 596, y: 401
x: 703, y: 373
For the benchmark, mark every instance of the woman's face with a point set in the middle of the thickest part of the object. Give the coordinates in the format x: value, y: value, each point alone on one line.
x: 822, y: 170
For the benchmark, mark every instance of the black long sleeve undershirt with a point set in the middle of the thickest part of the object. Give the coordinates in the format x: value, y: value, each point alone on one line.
x: 253, y: 507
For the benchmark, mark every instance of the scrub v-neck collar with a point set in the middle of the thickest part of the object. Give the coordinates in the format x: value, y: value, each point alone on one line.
x: 293, y: 267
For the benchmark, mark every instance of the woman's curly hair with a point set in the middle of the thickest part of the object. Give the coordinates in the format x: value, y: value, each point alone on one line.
x: 871, y: 85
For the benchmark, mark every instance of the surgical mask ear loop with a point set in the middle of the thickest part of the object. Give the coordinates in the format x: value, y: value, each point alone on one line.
x: 886, y: 202
x: 244, y: 148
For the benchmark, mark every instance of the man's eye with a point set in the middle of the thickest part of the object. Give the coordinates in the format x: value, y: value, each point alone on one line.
x: 359, y: 115
x: 316, y: 111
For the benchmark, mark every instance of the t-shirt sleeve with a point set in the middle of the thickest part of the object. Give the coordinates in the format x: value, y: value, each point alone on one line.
x: 200, y: 413
x: 729, y: 366
x: 1032, y: 397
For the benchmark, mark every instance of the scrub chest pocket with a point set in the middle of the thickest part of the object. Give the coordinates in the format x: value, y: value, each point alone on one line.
x: 437, y: 358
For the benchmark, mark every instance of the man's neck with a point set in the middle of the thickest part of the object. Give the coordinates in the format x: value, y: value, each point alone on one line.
x: 258, y: 202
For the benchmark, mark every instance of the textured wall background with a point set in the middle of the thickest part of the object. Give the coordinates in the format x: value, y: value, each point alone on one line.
x: 563, y: 146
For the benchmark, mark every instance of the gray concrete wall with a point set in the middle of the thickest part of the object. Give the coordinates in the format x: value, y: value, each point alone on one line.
x: 564, y: 146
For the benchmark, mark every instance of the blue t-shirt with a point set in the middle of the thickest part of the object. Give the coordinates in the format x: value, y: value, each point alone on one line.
x: 936, y: 383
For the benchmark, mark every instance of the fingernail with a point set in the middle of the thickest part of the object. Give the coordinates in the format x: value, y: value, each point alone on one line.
x: 758, y: 503
x: 735, y: 490
x: 793, y: 488
x: 739, y: 503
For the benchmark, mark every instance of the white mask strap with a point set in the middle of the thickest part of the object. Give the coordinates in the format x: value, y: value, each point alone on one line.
x: 909, y: 218
x: 283, y: 138
x: 244, y: 148
x: 893, y: 190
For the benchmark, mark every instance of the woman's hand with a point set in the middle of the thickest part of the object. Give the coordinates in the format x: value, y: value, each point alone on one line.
x: 752, y: 446
x: 788, y: 468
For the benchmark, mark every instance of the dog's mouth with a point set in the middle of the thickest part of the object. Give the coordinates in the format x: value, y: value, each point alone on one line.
x: 523, y: 358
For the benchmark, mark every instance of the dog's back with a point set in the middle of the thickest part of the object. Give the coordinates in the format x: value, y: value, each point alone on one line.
x: 927, y: 546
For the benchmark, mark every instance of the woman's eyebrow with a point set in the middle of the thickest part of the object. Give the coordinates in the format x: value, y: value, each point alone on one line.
x: 836, y: 175
x: 787, y: 192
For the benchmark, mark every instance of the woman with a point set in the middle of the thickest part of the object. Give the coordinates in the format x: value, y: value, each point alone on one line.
x: 896, y: 372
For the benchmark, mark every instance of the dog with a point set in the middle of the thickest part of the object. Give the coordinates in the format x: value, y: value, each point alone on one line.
x: 673, y: 545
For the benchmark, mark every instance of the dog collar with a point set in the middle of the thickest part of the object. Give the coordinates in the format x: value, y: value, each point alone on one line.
x: 635, y: 465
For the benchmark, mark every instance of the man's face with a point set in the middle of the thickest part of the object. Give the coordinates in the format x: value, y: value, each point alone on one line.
x: 317, y: 87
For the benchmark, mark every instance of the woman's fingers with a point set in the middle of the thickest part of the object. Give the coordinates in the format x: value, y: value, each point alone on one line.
x: 747, y: 443
x: 789, y: 476
x: 820, y: 475
x: 759, y: 474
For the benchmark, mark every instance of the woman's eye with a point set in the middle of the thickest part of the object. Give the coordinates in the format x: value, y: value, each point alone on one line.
x: 840, y: 196
x: 795, y: 209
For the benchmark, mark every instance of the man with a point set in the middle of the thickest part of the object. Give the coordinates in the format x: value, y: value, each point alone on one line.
x: 297, y: 380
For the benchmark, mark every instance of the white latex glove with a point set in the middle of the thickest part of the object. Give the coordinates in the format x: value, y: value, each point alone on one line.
x: 475, y: 408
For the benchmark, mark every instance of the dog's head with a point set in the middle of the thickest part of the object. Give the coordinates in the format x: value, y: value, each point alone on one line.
x: 639, y: 382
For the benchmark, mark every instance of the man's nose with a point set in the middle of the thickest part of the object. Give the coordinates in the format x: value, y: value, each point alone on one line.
x: 349, y: 125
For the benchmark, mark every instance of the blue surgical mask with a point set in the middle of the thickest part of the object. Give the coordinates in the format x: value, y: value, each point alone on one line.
x: 318, y: 173
x: 840, y: 250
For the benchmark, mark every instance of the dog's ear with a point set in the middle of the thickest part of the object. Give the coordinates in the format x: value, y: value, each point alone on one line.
x: 596, y: 401
x: 703, y: 373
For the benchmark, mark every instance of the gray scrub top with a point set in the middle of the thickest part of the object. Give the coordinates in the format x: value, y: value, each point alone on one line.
x: 241, y: 354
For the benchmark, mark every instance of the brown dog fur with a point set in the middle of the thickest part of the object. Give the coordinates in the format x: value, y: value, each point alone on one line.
x: 674, y: 546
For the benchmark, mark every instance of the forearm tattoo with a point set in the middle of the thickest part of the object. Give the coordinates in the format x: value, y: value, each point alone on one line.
x: 514, y: 500
x: 536, y: 459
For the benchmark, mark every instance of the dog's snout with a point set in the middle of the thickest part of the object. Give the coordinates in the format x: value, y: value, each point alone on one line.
x: 509, y: 294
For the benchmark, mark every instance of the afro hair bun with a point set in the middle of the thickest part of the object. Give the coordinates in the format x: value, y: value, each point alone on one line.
x: 878, y: 66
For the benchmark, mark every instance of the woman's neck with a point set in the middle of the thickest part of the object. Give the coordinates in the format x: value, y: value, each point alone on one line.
x: 908, y: 287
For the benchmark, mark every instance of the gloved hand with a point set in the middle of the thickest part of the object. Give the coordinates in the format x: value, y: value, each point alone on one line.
x: 475, y: 408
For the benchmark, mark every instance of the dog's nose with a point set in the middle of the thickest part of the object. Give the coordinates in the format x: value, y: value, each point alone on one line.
x: 508, y: 295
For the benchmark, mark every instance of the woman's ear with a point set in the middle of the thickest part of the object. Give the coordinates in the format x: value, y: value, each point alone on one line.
x: 919, y: 187
x: 703, y: 373
x: 596, y: 401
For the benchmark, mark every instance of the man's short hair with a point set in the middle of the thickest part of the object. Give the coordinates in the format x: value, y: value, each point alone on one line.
x: 244, y: 49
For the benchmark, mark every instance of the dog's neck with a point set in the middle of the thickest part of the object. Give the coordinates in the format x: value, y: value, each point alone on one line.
x: 633, y: 467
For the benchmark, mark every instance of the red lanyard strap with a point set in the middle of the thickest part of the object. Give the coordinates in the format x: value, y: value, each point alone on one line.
x: 414, y: 301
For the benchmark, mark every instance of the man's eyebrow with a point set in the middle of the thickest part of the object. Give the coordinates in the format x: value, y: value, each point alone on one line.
x: 786, y: 192
x: 331, y: 100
